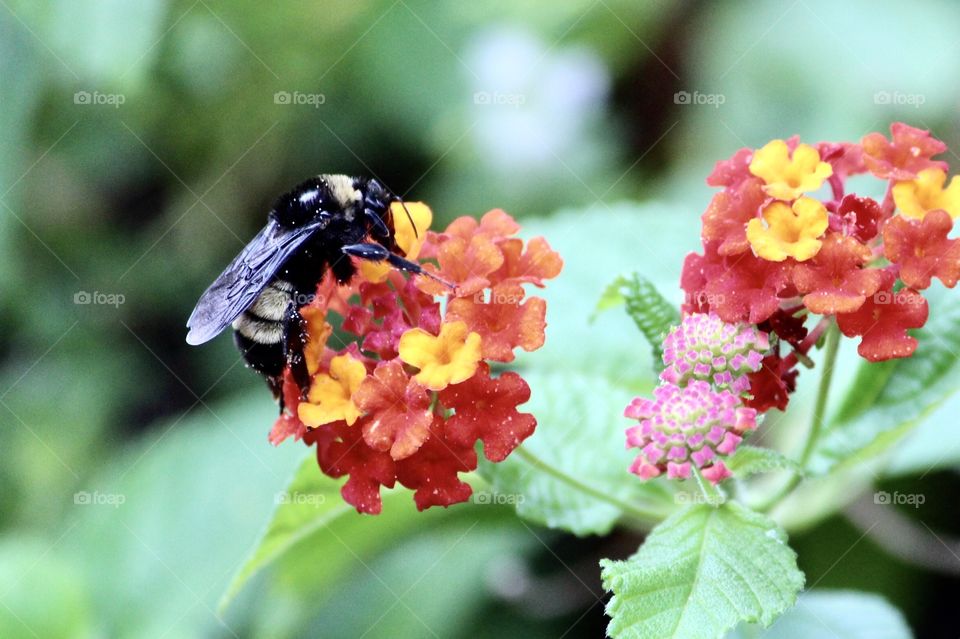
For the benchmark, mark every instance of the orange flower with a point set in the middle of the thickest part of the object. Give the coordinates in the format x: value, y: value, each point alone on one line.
x: 537, y: 263
x: 399, y: 410
x: 502, y: 321
x: 466, y: 263
x: 318, y: 332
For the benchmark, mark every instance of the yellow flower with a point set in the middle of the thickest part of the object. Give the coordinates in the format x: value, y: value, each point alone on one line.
x: 448, y: 358
x: 789, y: 177
x: 330, y: 397
x: 915, y: 198
x: 408, y: 241
x: 789, y: 232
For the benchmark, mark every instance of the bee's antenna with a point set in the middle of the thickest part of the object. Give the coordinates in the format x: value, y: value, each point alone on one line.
x: 416, y: 233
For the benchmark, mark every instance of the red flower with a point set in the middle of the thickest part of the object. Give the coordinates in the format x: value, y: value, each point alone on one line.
x: 748, y: 289
x: 725, y: 219
x: 694, y: 277
x: 833, y: 280
x: 883, y: 321
x: 770, y: 387
x: 922, y: 250
x: 342, y: 451
x: 288, y: 424
x: 904, y: 157
x: 432, y: 472
x: 502, y: 321
x: 787, y: 326
x: 858, y: 217
x: 486, y: 409
x: 732, y: 172
x: 846, y: 158
x: 399, y: 410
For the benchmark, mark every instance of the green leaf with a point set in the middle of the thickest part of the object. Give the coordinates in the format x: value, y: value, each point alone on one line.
x: 611, y: 298
x: 608, y: 347
x: 41, y: 592
x: 311, y: 500
x: 158, y: 530
x: 839, y: 614
x: 888, y: 400
x: 701, y: 572
x: 750, y: 460
x: 572, y: 473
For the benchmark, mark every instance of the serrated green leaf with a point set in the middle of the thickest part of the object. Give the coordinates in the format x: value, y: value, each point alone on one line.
x: 701, y: 572
x: 572, y: 473
x: 838, y: 614
x: 750, y: 460
x: 903, y: 392
x: 650, y: 311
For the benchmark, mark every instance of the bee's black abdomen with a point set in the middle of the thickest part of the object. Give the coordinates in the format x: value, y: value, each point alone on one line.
x: 267, y: 359
x: 260, y: 333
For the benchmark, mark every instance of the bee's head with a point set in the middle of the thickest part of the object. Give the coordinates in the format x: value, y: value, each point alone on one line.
x: 376, y: 205
x: 378, y: 199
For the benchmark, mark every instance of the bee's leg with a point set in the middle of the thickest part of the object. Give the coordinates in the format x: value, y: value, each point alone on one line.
x: 376, y: 253
x: 380, y: 229
x: 295, y: 331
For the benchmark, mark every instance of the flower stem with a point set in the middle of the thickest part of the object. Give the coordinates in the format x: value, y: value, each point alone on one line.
x: 816, y: 423
x: 634, y: 512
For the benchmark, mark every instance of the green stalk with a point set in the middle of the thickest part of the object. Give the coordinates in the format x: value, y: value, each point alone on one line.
x: 631, y: 510
x: 816, y: 425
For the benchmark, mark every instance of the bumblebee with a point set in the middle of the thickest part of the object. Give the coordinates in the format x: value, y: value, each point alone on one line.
x: 317, y: 226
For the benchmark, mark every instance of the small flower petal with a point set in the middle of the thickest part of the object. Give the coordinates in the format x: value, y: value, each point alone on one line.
x: 790, y: 231
x: 787, y: 176
x: 448, y: 358
x: 330, y: 396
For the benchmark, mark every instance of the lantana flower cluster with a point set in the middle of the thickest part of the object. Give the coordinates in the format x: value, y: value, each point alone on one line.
x: 697, y: 415
x: 401, y: 384
x: 784, y: 240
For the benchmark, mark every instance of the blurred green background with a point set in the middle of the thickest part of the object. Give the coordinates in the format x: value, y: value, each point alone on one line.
x: 141, y: 144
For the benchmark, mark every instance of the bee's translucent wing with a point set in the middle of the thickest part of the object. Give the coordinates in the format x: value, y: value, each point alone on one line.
x: 244, y: 279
